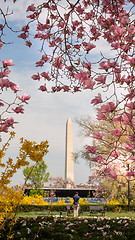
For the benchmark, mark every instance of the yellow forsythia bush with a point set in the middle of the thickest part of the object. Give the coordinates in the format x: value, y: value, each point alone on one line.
x: 9, y: 200
x: 39, y: 200
x: 113, y: 201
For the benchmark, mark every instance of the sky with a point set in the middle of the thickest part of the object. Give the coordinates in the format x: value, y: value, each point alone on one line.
x: 46, y: 114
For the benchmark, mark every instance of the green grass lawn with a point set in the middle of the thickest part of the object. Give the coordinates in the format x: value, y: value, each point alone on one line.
x: 85, y: 214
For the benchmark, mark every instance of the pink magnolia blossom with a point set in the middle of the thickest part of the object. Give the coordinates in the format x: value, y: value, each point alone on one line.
x: 77, y: 46
x: 1, y: 27
x: 125, y: 119
x: 1, y: 75
x: 100, y: 79
x: 131, y: 61
x: 42, y: 27
x: 132, y: 158
x: 75, y: 24
x: 4, y: 83
x: 54, y: 89
x: 85, y: 79
x: 7, y: 63
x: 58, y: 63
x: 113, y: 65
x: 43, y: 88
x: 40, y: 63
x: 14, y: 87
x: 104, y: 65
x: 101, y: 116
x: 31, y: 8
x: 80, y: 31
x: 36, y: 76
x: 124, y: 20
x: 99, y: 159
x: 95, y: 32
x: 45, y: 58
x: 58, y: 88
x: 130, y: 173
x: 91, y: 149
x: 66, y: 88
x: 117, y: 70
x: 46, y: 75
x: 24, y: 98
x: 106, y: 108
x: 38, y: 35
x: 9, y: 122
x: 89, y: 15
x: 128, y: 79
x: 81, y: 75
x: 131, y: 94
x: 115, y: 45
x: 118, y: 119
x: 88, y: 83
x: 1, y: 44
x: 111, y: 173
x: 18, y: 109
x: 116, y: 132
x: 104, y: 111
x: 115, y: 153
x: 129, y: 146
x: 97, y: 99
x: 47, y: 36
x: 3, y: 128
x: 61, y: 24
x: 47, y: 21
x: 97, y: 135
x: 88, y: 46
x: 132, y: 138
x: 33, y: 16
x: 87, y: 65
x: 79, y: 9
x: 80, y: 35
x: 76, y: 89
x: 25, y: 28
x: 1, y: 104
x: 66, y: 16
x: 119, y: 31
x: 130, y: 105
x: 53, y: 7
x: 23, y: 35
x: 111, y: 106
x: 28, y: 43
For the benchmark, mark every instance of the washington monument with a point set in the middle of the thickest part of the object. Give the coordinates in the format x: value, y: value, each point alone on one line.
x: 69, y: 164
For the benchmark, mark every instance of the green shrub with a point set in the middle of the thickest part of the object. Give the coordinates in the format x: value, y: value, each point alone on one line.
x: 61, y: 236
x: 35, y: 192
x: 84, y: 208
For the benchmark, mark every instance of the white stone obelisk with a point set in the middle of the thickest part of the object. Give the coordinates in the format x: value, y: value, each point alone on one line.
x: 69, y: 164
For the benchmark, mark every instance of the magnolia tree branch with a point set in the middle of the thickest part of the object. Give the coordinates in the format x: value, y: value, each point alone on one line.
x: 14, y: 105
x: 89, y: 44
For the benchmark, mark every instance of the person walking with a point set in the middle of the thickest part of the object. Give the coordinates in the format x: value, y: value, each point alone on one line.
x: 76, y: 204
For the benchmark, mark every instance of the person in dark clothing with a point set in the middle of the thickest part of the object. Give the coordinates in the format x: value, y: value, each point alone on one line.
x: 76, y: 204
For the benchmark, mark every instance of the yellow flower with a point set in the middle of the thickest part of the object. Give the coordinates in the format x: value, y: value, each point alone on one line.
x: 113, y: 201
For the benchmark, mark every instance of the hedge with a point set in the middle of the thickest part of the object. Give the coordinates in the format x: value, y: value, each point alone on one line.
x: 84, y: 208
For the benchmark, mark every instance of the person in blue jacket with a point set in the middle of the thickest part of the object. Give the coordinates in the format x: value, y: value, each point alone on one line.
x: 76, y: 204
